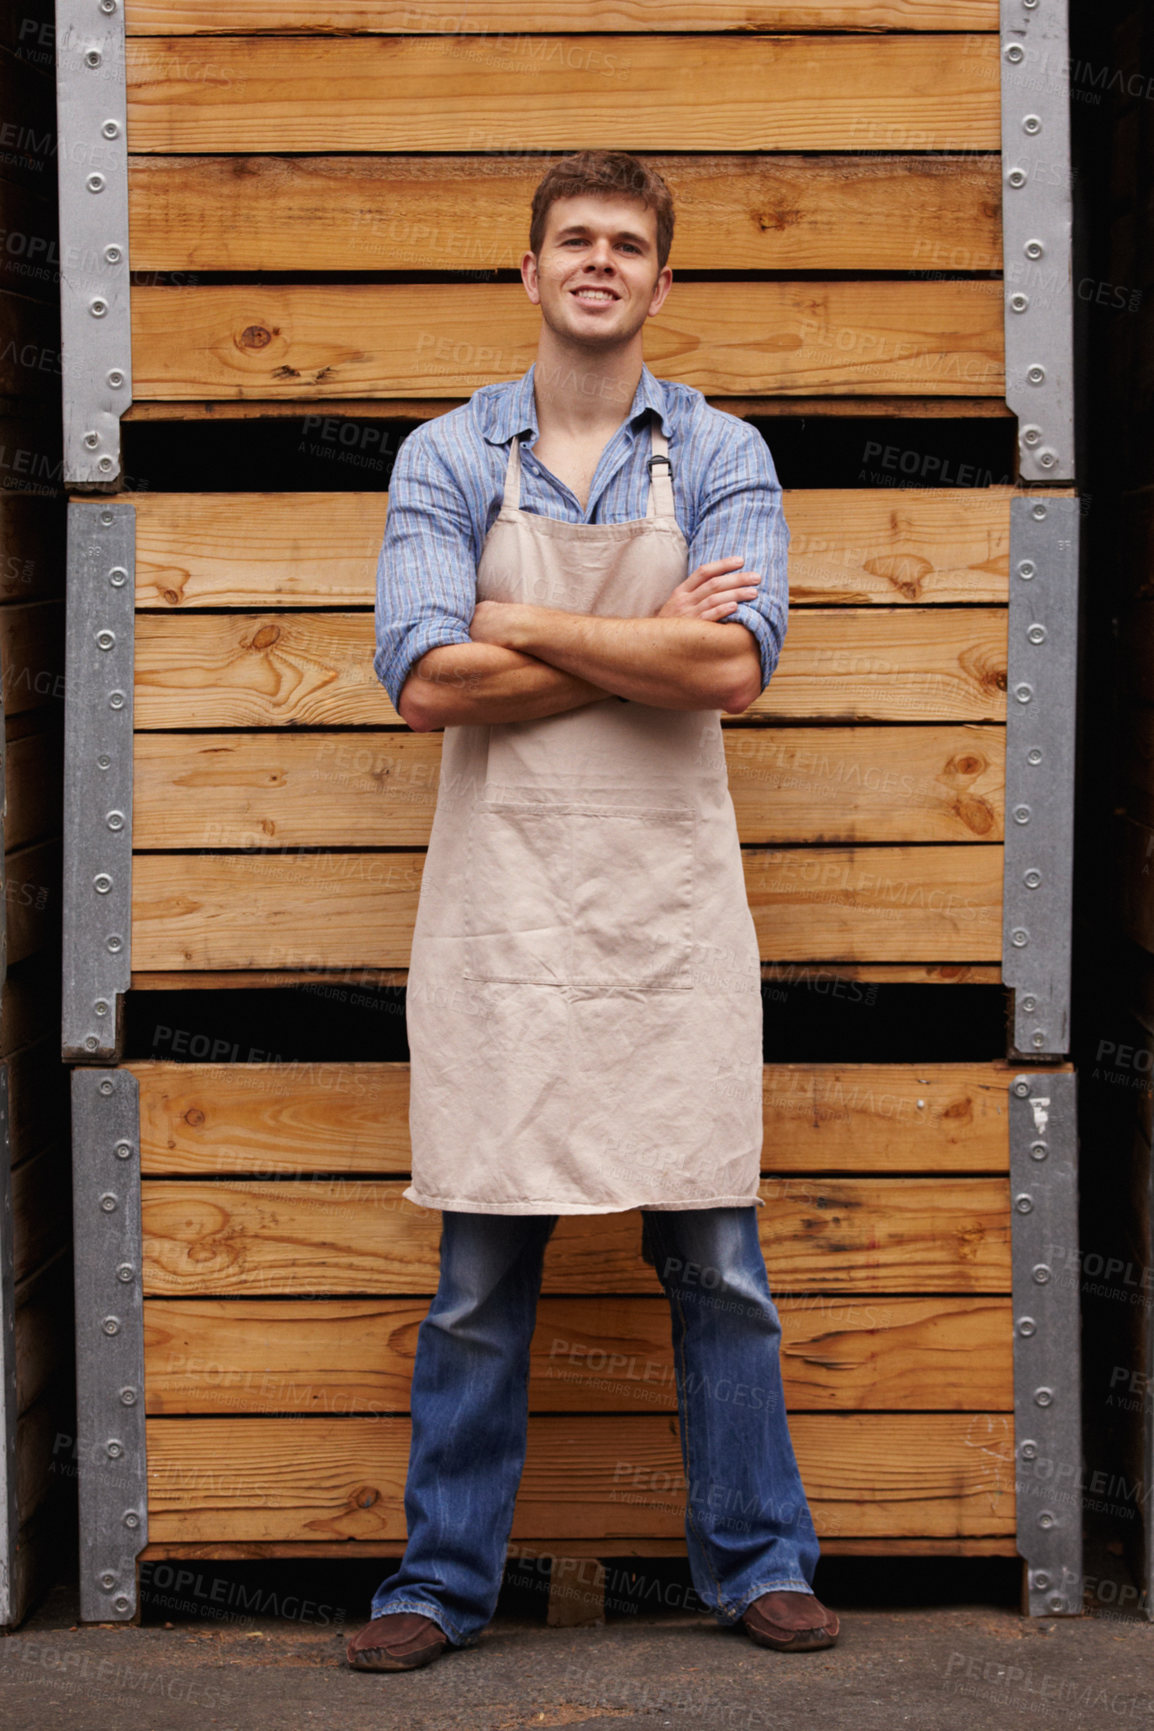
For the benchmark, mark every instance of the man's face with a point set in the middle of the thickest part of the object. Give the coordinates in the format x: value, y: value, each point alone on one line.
x: 596, y: 280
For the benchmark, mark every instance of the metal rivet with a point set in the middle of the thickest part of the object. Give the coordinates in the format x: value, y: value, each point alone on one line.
x: 1026, y: 569
x: 93, y: 57
x: 1015, y: 52
x: 91, y: 440
x: 105, y: 464
x: 110, y: 5
x: 103, y: 761
x: 123, y: 1150
x: 106, y: 639
x: 1031, y: 124
x: 115, y: 378
x: 1031, y: 436
x: 1029, y: 1450
x: 1040, y: 1274
x: 1045, y: 1520
x: 1031, y: 879
x: 90, y: 1042
x: 111, y: 1325
x: 1036, y: 633
x: 1056, y: 1601
x: 1035, y: 375
x: 1021, y: 1087
x: 98, y: 308
x: 106, y: 518
x: 132, y: 1520
x: 1019, y: 937
x: 1029, y: 1002
x: 102, y: 883
x: 1043, y: 1397
x: 1033, y: 249
x: 1039, y: 1040
x: 106, y: 1087
x: 115, y: 820
x: 1024, y: 1204
x: 122, y: 1604
x: 1019, y: 302
x: 114, y: 944
x: 1016, y: 177
x: 1038, y: 1150
x: 114, y: 1450
x: 108, y: 1580
x: 118, y: 576
x: 128, y: 1397
x: 1040, y: 1579
x: 921, y: 1105
x: 1047, y: 459
x: 110, y: 129
x: 125, y: 1273
x: 108, y: 1202
x: 1027, y: 1326
x: 1024, y: 693
x: 1038, y: 511
x: 1021, y: 814
x: 112, y: 254
x: 116, y: 700
x: 1034, y: 755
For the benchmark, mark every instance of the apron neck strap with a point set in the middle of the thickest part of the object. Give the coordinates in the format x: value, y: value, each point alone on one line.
x: 660, y: 474
x: 512, y: 496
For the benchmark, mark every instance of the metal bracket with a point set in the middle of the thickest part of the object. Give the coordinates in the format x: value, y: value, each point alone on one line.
x: 1037, y: 234
x: 98, y: 778
x: 1048, y: 1476
x: 1037, y: 885
x: 92, y: 173
x: 10, y: 1611
x: 110, y: 1440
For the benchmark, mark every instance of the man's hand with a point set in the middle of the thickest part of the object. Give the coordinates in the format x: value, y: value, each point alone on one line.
x: 712, y: 591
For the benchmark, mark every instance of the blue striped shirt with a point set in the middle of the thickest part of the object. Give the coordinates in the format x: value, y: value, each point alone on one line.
x: 446, y: 488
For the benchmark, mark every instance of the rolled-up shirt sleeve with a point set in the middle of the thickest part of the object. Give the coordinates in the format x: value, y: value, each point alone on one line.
x: 740, y: 511
x: 427, y: 568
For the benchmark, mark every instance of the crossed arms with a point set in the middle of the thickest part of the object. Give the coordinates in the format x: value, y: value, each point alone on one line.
x: 525, y: 662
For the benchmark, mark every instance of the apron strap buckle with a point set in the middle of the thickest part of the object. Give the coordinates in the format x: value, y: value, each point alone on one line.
x: 649, y: 462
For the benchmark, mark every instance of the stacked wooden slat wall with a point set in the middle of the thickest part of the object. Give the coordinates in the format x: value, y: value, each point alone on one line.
x: 35, y: 1282
x: 331, y: 168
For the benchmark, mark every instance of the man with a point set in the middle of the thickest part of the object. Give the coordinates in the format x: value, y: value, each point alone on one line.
x: 567, y: 587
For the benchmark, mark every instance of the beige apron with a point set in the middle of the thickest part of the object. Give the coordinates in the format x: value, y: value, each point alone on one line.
x: 584, y: 998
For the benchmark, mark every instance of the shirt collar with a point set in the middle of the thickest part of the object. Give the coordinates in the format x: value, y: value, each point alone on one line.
x: 515, y: 411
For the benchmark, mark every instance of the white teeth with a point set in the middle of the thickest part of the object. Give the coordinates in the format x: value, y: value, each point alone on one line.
x: 594, y: 294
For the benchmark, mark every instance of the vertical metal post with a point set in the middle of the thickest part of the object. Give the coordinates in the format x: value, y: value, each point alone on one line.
x: 1037, y: 234
x: 1041, y: 676
x: 92, y: 163
x: 1048, y: 1471
x: 109, y: 1340
x: 98, y: 778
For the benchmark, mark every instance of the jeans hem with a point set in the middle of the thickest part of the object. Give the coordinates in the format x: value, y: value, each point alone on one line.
x: 734, y: 1614
x: 424, y: 1608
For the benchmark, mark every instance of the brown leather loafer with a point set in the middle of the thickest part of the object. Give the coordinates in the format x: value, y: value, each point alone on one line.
x: 791, y: 1622
x: 402, y: 1641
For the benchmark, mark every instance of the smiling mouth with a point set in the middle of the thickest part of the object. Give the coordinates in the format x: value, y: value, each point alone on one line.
x: 594, y: 295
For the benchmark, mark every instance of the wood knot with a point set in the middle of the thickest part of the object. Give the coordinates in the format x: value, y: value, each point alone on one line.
x: 265, y: 636
x: 255, y: 337
x: 365, y: 1496
x: 194, y: 1117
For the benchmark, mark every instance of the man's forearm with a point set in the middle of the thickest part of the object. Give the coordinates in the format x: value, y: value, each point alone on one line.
x: 460, y: 683
x: 671, y: 663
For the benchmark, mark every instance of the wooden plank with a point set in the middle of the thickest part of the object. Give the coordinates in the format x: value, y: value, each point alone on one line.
x: 256, y: 790
x: 356, y: 910
x: 344, y: 1237
x: 39, y: 1224
x: 32, y: 898
x: 454, y: 213
x: 865, y: 1474
x: 347, y: 1550
x: 849, y: 546
x: 334, y: 1356
x: 214, y: 670
x: 428, y: 408
x: 43, y: 1328
x: 32, y: 654
x: 34, y: 784
x: 38, y: 1097
x: 234, y: 1118
x: 227, y: 93
x: 32, y: 536
x: 334, y: 340
x: 249, y: 17
x: 346, y: 982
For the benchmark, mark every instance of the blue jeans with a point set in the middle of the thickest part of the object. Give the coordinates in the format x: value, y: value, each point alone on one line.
x: 748, y: 1524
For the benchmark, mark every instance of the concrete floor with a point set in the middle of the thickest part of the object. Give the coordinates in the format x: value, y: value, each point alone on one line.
x: 215, y: 1657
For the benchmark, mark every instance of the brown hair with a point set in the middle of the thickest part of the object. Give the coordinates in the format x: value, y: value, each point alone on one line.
x: 604, y: 171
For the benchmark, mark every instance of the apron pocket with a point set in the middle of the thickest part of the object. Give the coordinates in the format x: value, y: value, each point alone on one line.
x: 580, y: 894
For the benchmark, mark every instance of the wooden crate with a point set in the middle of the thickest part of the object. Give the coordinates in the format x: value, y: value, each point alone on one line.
x: 301, y: 185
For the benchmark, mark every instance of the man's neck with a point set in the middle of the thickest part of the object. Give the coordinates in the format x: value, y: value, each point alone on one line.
x: 583, y: 394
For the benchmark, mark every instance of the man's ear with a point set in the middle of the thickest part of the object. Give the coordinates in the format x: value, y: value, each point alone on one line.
x: 529, y: 277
